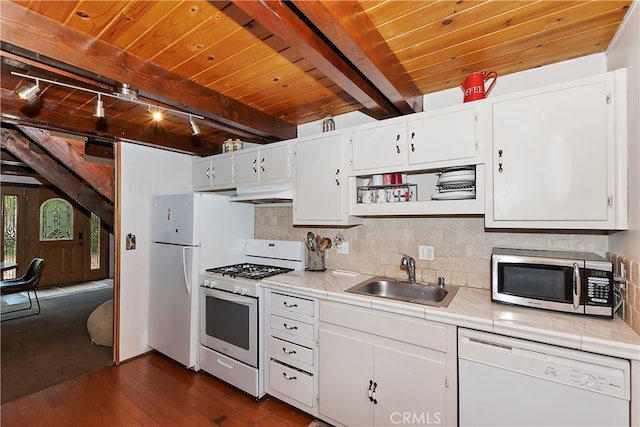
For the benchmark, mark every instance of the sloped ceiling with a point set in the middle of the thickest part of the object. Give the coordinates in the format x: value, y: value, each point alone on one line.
x: 255, y: 70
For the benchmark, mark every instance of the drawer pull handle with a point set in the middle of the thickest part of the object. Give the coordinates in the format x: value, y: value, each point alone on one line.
x: 226, y: 365
x: 289, y: 305
x: 291, y: 328
x: 285, y: 351
x: 288, y: 377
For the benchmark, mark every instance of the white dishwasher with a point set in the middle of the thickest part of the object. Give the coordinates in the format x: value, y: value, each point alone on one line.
x: 506, y: 381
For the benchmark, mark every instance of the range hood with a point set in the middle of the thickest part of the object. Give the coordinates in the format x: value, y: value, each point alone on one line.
x: 270, y: 193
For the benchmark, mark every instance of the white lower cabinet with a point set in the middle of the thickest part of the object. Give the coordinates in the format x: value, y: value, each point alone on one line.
x: 291, y: 354
x: 381, y: 369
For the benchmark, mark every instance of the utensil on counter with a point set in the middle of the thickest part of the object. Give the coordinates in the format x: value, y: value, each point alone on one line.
x: 311, y: 241
x: 326, y: 244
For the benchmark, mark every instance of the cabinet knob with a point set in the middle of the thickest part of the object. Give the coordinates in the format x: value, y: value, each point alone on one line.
x: 500, y: 161
x: 337, y: 180
x: 397, y: 146
x: 413, y: 148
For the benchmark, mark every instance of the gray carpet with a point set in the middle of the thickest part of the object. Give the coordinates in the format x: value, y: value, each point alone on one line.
x: 48, y: 349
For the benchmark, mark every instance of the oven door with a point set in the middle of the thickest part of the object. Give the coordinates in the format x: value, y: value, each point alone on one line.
x: 229, y: 324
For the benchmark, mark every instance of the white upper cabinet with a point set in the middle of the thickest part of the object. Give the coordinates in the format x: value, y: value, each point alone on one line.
x: 268, y: 164
x: 381, y: 146
x: 213, y: 172
x: 439, y: 138
x: 558, y: 157
x: 320, y: 182
x: 443, y: 136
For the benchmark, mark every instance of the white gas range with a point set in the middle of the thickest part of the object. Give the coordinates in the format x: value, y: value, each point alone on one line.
x: 232, y: 312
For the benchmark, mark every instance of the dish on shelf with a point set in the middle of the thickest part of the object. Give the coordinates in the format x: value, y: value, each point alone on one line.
x: 457, y: 179
x: 454, y: 195
x: 456, y: 186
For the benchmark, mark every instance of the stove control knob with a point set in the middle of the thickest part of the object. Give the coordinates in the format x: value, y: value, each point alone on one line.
x: 243, y: 291
x: 236, y: 289
x: 206, y: 283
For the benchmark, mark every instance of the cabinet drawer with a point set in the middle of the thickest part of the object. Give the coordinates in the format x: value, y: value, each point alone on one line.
x: 292, y: 304
x: 293, y: 327
x: 290, y: 350
x: 291, y: 382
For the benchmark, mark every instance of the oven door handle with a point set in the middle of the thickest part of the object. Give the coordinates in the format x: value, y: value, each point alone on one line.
x: 228, y: 296
x: 184, y: 269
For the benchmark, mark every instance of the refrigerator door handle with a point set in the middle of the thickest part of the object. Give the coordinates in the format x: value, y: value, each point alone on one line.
x: 184, y: 269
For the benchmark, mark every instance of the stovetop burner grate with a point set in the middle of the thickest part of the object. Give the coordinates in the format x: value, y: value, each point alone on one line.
x: 249, y: 271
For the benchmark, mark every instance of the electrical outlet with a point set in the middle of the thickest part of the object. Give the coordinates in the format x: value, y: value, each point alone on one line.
x: 344, y: 248
x: 426, y: 253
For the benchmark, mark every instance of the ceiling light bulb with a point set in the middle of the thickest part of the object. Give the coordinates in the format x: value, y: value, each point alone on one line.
x: 28, y: 93
x: 193, y: 127
x: 156, y: 115
x: 98, y: 109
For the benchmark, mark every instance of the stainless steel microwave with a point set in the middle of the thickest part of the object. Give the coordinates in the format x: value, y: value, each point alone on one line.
x: 571, y: 282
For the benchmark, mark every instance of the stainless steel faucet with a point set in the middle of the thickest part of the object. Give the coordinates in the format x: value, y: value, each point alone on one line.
x: 410, y: 265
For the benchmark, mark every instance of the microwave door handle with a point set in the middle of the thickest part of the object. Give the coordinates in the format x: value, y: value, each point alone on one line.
x: 577, y: 285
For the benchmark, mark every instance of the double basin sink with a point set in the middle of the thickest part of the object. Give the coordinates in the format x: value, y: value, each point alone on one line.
x: 426, y: 294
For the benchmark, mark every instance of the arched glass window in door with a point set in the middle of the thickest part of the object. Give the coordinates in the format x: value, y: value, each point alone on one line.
x: 56, y: 220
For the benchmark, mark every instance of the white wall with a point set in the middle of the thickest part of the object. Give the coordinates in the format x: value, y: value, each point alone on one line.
x: 542, y: 76
x: 142, y: 172
x: 624, y: 51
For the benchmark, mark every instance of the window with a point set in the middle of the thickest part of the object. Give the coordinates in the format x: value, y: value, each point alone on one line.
x: 95, y: 242
x: 56, y: 220
x: 10, y: 243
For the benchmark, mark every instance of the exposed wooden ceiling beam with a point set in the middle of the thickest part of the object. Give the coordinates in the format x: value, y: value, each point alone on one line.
x: 17, y: 112
x: 45, y: 38
x: 70, y: 152
x: 282, y: 21
x: 58, y: 175
x: 349, y: 28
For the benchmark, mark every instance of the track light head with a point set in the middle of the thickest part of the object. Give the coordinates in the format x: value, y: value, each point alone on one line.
x: 98, y: 109
x: 156, y: 115
x: 28, y: 93
x: 194, y: 128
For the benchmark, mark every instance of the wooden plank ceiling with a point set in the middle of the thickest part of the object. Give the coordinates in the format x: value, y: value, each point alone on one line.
x: 255, y: 70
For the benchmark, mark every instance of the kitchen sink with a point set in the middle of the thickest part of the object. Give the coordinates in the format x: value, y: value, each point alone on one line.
x: 418, y: 293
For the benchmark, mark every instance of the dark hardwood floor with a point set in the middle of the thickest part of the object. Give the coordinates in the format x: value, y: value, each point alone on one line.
x: 151, y: 390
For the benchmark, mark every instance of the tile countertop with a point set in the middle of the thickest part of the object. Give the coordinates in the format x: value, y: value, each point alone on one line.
x: 472, y: 308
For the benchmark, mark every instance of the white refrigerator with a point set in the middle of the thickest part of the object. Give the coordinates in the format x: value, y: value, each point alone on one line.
x: 190, y: 232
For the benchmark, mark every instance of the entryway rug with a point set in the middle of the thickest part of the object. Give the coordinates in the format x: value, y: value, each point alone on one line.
x: 50, y: 348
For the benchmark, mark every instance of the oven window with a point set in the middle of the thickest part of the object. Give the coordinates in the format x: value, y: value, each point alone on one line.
x: 548, y: 283
x: 227, y: 321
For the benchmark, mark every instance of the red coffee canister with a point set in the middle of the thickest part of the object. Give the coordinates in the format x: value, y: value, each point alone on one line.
x: 473, y: 86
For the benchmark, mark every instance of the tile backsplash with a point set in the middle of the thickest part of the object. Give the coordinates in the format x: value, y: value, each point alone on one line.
x: 462, y: 248
x: 629, y: 269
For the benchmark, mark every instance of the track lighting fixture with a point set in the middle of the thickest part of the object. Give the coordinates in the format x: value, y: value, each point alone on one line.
x: 156, y: 115
x: 30, y: 92
x: 98, y: 109
x: 193, y: 127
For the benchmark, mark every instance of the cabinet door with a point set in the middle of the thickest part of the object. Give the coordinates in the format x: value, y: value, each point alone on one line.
x: 344, y: 371
x: 381, y: 146
x: 221, y: 172
x: 410, y: 388
x: 318, y: 181
x: 201, y: 174
x: 273, y: 163
x: 443, y: 137
x: 245, y: 167
x: 551, y: 157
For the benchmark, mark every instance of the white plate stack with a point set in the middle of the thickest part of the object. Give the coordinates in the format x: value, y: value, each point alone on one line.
x: 456, y: 184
